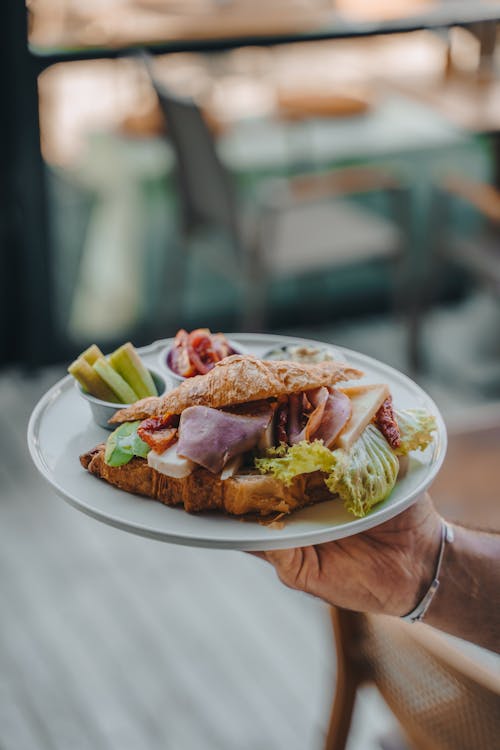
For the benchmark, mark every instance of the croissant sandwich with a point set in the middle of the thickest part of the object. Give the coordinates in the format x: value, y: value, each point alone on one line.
x: 262, y: 437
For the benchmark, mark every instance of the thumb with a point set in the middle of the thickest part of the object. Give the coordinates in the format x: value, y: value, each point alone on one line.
x: 286, y: 562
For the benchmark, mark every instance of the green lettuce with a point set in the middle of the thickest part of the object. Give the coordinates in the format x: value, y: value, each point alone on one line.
x: 416, y: 427
x: 123, y: 444
x: 365, y: 474
x: 362, y: 476
x: 285, y: 462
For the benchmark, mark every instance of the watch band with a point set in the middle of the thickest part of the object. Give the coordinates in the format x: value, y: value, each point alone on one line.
x: 418, y: 613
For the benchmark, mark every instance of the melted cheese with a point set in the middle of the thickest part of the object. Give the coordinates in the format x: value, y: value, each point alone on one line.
x: 267, y: 439
x: 232, y: 467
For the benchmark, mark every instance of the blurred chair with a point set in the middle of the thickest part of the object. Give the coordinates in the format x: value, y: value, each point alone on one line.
x: 479, y: 255
x: 465, y: 227
x: 296, y: 226
x: 442, y: 699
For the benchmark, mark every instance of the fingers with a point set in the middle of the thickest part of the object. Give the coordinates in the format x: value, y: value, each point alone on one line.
x: 277, y: 557
x: 282, y: 559
x: 288, y: 564
x: 262, y: 555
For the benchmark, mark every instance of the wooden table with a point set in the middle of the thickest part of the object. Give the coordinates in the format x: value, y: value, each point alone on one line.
x: 210, y: 26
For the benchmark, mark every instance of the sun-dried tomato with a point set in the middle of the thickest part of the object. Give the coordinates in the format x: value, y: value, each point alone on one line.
x: 179, y: 361
x: 159, y: 432
x: 385, y: 420
x: 222, y: 345
x: 201, y: 350
x: 178, y: 356
x: 152, y: 424
x: 159, y: 440
x: 196, y: 353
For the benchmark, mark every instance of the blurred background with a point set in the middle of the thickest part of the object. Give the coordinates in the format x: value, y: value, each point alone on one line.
x: 324, y: 168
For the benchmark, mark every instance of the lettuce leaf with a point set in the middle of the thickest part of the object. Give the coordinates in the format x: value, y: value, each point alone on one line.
x: 416, y: 427
x: 285, y: 462
x: 123, y: 444
x: 365, y: 474
x: 362, y: 476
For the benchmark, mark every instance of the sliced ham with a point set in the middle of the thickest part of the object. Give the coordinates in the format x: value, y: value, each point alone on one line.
x: 294, y: 430
x: 211, y: 437
x: 336, y: 413
x: 331, y: 410
x: 318, y: 400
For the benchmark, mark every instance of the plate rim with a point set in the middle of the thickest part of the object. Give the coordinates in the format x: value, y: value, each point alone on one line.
x: 301, y: 538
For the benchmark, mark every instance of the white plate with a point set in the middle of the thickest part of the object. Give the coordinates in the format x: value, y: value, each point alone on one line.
x: 61, y: 428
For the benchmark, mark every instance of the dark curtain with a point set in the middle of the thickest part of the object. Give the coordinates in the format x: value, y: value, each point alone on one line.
x: 26, y: 320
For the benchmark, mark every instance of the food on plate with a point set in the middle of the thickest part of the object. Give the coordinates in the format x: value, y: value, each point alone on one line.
x: 262, y: 437
x: 196, y: 353
x: 91, y: 381
x: 119, y: 378
x: 301, y: 353
x: 118, y: 385
x: 91, y: 354
x: 127, y: 363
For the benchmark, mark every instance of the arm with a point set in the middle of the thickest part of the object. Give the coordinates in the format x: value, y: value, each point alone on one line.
x: 467, y: 603
x: 388, y: 569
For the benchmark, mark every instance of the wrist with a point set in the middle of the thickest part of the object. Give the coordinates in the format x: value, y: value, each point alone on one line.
x: 421, y: 562
x: 418, y: 613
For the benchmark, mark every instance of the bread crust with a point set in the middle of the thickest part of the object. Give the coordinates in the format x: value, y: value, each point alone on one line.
x: 237, y: 380
x: 243, y: 494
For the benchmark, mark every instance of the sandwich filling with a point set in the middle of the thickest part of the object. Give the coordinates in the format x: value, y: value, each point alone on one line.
x: 258, y: 436
x: 352, y: 436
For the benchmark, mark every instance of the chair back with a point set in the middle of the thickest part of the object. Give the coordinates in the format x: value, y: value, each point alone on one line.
x: 205, y: 187
x: 443, y: 699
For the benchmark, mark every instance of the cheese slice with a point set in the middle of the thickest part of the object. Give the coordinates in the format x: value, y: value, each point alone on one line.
x: 232, y: 467
x: 366, y: 400
x: 267, y: 439
x: 170, y: 464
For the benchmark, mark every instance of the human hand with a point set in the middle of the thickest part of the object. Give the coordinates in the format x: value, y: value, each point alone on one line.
x: 384, y: 570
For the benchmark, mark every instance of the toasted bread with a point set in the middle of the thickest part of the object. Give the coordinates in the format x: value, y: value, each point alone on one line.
x: 241, y: 494
x: 237, y: 380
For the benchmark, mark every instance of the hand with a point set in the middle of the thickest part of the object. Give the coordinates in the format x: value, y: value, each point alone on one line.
x: 385, y: 570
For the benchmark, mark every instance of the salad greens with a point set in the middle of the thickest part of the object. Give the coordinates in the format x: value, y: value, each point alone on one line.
x: 366, y: 474
x: 362, y: 476
x: 285, y: 462
x: 416, y: 427
x: 123, y: 444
